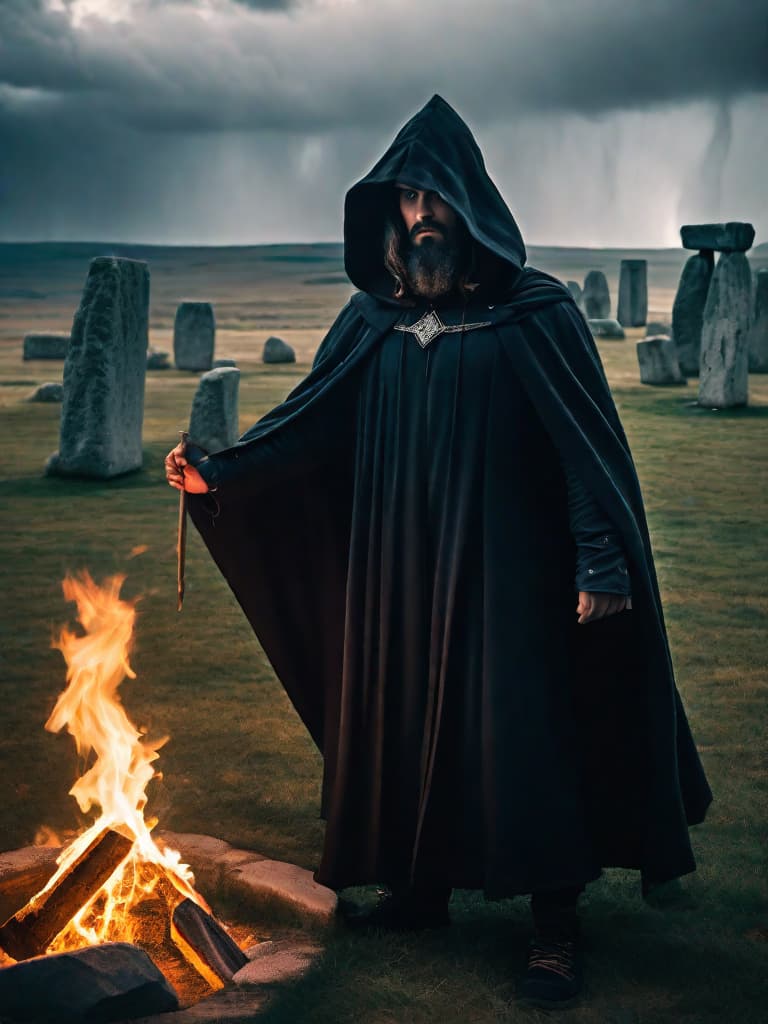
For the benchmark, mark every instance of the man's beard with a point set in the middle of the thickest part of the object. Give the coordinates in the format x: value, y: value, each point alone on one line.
x: 433, y: 267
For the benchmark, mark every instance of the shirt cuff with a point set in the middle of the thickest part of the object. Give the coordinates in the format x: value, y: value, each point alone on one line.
x: 209, y: 471
x: 601, y: 567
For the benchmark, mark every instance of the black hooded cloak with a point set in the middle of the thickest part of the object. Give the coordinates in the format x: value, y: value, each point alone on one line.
x: 397, y: 533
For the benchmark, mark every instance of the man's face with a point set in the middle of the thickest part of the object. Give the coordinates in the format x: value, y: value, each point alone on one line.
x: 425, y: 215
x: 437, y: 242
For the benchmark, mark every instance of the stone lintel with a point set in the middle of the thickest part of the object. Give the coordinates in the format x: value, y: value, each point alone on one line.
x: 735, y: 236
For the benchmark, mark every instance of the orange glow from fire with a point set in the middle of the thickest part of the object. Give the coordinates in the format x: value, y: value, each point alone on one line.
x: 121, y: 765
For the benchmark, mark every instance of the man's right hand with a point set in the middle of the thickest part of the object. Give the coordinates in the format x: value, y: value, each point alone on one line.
x: 181, y: 475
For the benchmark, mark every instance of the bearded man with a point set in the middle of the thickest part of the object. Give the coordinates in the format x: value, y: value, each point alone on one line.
x: 433, y: 537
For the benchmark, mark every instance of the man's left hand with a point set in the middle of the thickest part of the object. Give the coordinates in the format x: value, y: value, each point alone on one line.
x: 597, y: 606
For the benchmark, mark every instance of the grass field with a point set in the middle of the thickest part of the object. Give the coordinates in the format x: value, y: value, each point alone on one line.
x: 239, y: 764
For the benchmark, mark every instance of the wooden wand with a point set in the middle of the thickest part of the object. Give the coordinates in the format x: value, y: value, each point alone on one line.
x: 181, y: 539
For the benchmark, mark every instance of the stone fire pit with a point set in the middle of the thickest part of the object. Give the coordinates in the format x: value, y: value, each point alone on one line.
x: 245, y: 889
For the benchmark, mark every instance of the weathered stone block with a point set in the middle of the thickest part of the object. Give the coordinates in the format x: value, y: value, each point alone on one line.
x: 735, y: 236
x: 48, y: 392
x: 214, y: 420
x: 607, y: 328
x: 194, y: 336
x: 223, y: 362
x: 723, y: 377
x: 658, y: 362
x: 597, y: 298
x: 104, y: 373
x: 278, y: 351
x: 273, y: 962
x: 45, y: 346
x: 656, y: 328
x: 289, y: 886
x: 158, y: 360
x: 757, y: 344
x: 633, y: 293
x: 688, y: 311
x: 111, y: 982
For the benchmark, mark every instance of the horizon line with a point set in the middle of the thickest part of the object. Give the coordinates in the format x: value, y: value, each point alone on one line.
x: 275, y: 245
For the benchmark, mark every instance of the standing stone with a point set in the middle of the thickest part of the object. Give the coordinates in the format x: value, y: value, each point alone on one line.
x: 578, y: 295
x: 278, y: 351
x: 223, y: 362
x: 194, y: 336
x: 597, y: 298
x: 104, y: 373
x: 45, y: 346
x: 758, y: 332
x: 688, y: 310
x: 633, y: 293
x: 658, y: 362
x: 723, y: 376
x: 213, y: 423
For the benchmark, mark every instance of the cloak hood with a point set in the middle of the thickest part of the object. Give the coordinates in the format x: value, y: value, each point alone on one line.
x: 434, y: 151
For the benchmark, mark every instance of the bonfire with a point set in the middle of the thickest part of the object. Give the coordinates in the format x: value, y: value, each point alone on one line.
x: 114, y: 882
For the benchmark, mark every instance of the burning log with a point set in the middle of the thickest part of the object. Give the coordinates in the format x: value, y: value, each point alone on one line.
x: 17, y: 887
x: 196, y: 931
x: 32, y: 929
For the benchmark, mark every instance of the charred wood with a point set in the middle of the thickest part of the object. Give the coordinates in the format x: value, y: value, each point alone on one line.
x: 32, y: 929
x: 207, y: 939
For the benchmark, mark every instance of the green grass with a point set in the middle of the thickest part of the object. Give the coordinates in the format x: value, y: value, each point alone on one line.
x: 240, y: 765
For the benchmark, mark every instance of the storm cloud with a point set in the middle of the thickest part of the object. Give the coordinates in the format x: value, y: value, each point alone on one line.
x: 195, y: 114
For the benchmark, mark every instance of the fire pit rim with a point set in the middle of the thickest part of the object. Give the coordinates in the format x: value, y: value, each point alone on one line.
x: 246, y: 875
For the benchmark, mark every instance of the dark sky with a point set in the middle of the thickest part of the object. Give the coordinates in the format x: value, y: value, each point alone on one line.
x: 604, y: 122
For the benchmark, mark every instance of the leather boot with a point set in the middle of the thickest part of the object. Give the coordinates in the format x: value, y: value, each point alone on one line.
x: 554, y: 976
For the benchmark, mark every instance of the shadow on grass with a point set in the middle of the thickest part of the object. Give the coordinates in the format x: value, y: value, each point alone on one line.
x: 151, y: 475
x: 641, y: 967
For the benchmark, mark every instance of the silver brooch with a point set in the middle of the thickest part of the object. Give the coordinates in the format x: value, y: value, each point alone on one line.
x: 430, y: 326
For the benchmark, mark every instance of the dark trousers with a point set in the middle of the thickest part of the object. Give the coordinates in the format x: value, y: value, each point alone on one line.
x: 555, y: 916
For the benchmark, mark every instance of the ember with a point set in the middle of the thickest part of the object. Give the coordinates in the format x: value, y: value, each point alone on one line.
x: 113, y: 883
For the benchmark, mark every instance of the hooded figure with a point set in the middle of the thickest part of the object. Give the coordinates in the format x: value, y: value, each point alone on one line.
x: 407, y: 534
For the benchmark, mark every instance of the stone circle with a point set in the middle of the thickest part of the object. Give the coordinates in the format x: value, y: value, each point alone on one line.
x: 278, y: 351
x: 213, y: 423
x: 659, y: 367
x: 45, y: 346
x: 194, y: 336
x: 597, y: 298
x: 735, y: 236
x: 723, y: 376
x: 104, y: 373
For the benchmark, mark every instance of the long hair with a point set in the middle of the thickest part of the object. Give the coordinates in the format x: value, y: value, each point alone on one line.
x: 394, y: 244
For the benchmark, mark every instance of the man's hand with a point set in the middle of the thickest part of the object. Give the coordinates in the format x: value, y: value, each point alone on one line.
x: 596, y: 606
x: 181, y: 475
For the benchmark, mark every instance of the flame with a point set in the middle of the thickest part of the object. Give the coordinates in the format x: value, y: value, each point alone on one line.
x: 121, y: 765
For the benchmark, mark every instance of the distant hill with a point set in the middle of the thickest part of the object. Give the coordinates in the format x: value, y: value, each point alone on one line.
x: 263, y: 289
